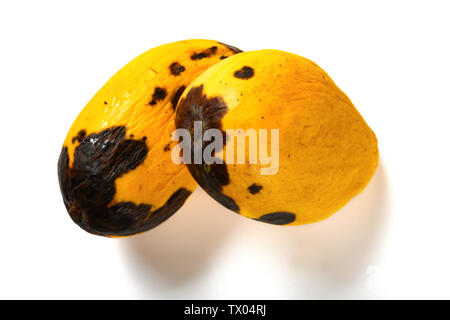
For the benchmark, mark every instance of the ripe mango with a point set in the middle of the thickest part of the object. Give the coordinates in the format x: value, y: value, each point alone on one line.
x: 115, y: 170
x: 327, y: 152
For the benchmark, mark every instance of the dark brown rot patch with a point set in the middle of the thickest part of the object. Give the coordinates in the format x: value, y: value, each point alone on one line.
x: 176, y: 97
x: 254, y: 188
x: 158, y: 95
x: 244, y: 73
x: 80, y: 136
x: 223, y: 57
x: 176, y: 68
x: 89, y: 186
x: 204, y: 54
x: 279, y: 218
x: 198, y: 107
x: 234, y: 49
x: 167, y: 147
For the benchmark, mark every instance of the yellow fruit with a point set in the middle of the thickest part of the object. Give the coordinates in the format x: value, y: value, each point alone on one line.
x: 115, y: 169
x: 327, y: 152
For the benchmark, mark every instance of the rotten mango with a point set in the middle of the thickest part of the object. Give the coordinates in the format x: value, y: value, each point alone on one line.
x: 115, y: 170
x: 327, y: 153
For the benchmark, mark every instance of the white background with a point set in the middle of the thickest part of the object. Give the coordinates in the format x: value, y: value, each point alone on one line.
x: 392, y: 241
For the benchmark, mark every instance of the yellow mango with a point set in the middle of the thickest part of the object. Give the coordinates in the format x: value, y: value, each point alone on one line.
x: 115, y: 170
x: 327, y: 152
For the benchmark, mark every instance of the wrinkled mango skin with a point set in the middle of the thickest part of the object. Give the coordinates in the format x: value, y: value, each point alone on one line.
x: 327, y: 152
x: 115, y: 170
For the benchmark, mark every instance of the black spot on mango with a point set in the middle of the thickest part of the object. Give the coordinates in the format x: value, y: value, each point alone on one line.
x: 254, y: 188
x: 279, y: 218
x: 204, y: 54
x: 158, y: 95
x: 244, y: 73
x: 176, y: 68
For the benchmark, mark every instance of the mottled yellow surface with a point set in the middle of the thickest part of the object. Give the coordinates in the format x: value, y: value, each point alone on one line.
x: 124, y: 101
x: 328, y: 154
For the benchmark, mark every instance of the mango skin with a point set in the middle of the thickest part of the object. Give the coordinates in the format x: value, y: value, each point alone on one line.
x: 327, y: 152
x: 115, y: 170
